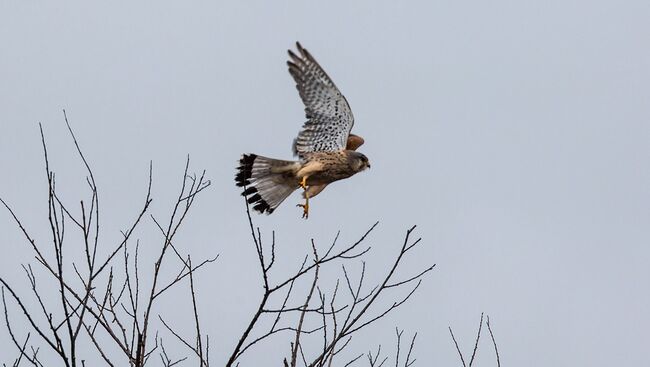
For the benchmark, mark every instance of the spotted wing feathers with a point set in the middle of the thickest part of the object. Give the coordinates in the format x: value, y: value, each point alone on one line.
x: 329, y: 116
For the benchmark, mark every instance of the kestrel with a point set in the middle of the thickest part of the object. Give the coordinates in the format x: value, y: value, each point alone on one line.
x: 325, y: 147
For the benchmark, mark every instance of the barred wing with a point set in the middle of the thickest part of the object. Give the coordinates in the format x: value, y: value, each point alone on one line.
x: 329, y: 116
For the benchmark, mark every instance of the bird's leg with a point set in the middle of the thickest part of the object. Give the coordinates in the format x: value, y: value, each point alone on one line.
x: 305, y: 206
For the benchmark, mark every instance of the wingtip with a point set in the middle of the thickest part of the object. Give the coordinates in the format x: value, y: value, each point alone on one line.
x: 303, y: 51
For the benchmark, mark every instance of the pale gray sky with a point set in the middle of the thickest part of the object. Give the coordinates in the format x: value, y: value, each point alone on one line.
x: 514, y: 133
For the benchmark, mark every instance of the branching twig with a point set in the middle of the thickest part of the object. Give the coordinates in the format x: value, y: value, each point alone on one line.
x: 85, y: 304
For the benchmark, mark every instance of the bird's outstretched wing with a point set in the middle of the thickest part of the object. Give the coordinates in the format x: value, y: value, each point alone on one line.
x: 329, y: 115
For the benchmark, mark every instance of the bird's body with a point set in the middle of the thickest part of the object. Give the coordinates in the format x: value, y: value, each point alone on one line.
x: 326, y: 149
x: 322, y: 168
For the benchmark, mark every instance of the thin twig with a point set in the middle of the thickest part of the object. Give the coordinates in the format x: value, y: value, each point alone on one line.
x: 457, y: 347
x: 494, y: 343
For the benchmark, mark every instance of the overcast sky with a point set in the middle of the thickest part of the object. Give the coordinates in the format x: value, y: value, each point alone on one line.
x: 513, y: 133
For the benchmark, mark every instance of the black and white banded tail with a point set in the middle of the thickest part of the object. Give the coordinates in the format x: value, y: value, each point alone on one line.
x: 267, y: 181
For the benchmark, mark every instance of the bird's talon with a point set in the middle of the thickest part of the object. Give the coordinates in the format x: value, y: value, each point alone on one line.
x: 305, y: 210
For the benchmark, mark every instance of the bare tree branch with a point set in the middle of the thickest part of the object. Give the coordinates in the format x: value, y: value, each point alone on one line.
x: 494, y: 343
x: 84, y: 304
x: 460, y: 354
x: 476, y: 342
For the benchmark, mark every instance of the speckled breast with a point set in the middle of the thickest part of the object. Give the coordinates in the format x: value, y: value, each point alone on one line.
x: 336, y: 166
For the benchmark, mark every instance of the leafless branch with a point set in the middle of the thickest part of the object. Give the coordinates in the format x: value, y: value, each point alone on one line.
x: 478, y: 337
x: 460, y: 354
x: 336, y: 330
x: 494, y: 343
x: 476, y: 343
x: 104, y: 311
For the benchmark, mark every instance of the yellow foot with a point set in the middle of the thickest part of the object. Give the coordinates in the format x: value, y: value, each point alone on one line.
x: 305, y: 210
x: 303, y: 183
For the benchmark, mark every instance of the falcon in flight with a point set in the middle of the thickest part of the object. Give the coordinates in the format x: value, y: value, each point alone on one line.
x: 325, y: 147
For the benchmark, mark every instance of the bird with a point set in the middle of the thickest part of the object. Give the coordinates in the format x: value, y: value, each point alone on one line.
x: 325, y: 147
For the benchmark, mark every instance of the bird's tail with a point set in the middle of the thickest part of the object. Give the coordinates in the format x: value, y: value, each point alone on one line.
x: 267, y: 181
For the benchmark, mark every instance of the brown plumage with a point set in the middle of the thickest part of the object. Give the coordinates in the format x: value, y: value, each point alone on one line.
x: 354, y: 142
x: 326, y: 149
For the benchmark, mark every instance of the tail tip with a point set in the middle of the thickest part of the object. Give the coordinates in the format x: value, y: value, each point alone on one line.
x: 245, y: 169
x: 253, y: 197
x: 247, y: 159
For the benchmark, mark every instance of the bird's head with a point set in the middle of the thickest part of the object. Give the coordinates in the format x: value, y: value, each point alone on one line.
x: 359, y: 161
